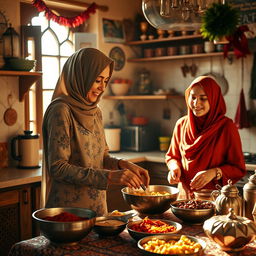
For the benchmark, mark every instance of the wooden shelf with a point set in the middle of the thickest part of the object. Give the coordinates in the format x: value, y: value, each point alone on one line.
x: 143, y: 97
x: 179, y: 57
x: 26, y: 79
x: 165, y: 39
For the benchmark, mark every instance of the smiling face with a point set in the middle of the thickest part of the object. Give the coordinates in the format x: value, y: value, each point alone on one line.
x: 99, y: 85
x: 198, y: 101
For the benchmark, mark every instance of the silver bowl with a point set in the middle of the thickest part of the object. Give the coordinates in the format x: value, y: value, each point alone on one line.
x: 65, y: 232
x: 148, y: 204
x: 167, y: 238
x: 195, y: 216
x: 109, y: 230
x: 136, y: 235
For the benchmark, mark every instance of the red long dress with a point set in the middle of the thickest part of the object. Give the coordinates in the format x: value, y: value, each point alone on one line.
x: 202, y: 143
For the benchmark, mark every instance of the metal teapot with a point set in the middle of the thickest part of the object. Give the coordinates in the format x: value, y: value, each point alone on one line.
x: 226, y: 198
x: 249, y: 193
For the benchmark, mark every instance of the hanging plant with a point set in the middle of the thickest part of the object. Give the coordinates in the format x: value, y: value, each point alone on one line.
x: 218, y: 21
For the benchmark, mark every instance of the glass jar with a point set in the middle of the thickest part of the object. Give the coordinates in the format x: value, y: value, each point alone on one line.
x: 144, y: 83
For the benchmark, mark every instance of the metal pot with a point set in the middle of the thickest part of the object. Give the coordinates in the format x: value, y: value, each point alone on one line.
x: 230, y: 232
x: 228, y: 198
x: 249, y: 194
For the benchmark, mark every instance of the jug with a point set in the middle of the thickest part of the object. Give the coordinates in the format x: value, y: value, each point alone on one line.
x: 249, y: 193
x: 227, y: 198
x: 28, y: 150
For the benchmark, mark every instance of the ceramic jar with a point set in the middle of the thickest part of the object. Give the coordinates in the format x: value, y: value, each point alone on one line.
x: 229, y: 231
x: 249, y: 194
x: 227, y: 198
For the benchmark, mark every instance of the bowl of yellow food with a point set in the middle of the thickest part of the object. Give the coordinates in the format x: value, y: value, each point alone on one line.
x: 150, y: 227
x: 156, y: 199
x: 171, y: 244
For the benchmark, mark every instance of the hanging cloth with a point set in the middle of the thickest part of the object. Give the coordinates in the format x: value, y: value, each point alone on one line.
x: 241, y: 117
x: 253, y: 79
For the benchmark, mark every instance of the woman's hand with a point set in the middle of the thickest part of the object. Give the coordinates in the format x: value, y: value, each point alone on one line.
x: 125, y: 177
x: 139, y: 171
x: 202, y: 178
x: 174, y: 173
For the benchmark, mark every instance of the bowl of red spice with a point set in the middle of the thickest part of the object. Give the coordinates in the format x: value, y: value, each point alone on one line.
x: 65, y: 225
x: 149, y: 227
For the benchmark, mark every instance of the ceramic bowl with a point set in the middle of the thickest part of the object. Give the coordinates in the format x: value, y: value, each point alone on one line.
x: 136, y: 235
x: 120, y: 89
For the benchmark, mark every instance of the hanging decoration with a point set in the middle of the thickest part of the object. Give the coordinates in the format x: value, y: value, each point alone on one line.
x: 65, y: 21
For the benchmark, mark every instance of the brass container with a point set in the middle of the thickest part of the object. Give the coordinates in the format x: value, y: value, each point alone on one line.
x: 227, y: 198
x: 204, y: 194
x: 230, y: 232
x: 249, y: 194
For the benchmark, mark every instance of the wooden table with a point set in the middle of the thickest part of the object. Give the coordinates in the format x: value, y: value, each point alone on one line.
x: 121, y: 245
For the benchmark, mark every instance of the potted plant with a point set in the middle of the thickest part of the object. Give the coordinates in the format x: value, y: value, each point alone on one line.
x: 219, y: 21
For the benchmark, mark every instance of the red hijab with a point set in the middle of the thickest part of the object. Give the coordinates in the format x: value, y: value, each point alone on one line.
x: 199, y: 129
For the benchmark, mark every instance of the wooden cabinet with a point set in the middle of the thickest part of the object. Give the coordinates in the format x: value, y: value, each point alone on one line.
x: 26, y: 79
x: 175, y: 41
x: 16, y: 207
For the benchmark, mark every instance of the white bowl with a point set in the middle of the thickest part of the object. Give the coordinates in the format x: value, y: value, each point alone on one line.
x: 120, y: 89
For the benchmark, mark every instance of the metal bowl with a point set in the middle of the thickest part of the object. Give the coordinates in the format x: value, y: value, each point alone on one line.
x: 136, y: 235
x: 167, y: 238
x: 195, y: 216
x: 65, y: 232
x: 109, y: 230
x: 148, y: 204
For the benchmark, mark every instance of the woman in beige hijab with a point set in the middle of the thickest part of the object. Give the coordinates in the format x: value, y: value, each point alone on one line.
x: 77, y: 167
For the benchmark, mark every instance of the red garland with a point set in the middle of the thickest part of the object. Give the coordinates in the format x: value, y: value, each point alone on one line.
x: 239, y: 42
x: 68, y: 22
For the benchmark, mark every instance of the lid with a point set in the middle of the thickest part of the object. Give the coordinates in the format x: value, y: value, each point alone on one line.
x: 28, y: 135
x: 229, y: 188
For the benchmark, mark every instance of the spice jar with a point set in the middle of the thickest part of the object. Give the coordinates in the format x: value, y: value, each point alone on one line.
x: 144, y: 83
x: 164, y: 143
x: 227, y: 198
x: 249, y: 194
x: 229, y: 231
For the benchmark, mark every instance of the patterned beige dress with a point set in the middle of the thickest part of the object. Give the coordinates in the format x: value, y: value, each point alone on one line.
x: 76, y: 160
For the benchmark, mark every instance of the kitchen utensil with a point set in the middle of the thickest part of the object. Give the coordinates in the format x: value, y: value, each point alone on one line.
x: 65, y: 232
x: 113, y: 138
x: 241, y: 116
x: 143, y: 187
x: 136, y: 235
x: 194, y: 216
x: 112, y: 226
x: 230, y: 232
x: 249, y: 195
x: 149, y: 204
x: 169, y: 237
x: 227, y: 198
x: 28, y: 150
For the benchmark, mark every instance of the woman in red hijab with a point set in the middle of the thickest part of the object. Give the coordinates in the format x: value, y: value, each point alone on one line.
x: 205, y: 149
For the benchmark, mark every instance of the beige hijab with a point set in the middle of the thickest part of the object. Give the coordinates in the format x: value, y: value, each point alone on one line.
x: 78, y: 75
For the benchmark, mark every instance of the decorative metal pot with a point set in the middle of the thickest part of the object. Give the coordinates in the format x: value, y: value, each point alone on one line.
x: 249, y: 194
x: 227, y: 198
x: 230, y: 232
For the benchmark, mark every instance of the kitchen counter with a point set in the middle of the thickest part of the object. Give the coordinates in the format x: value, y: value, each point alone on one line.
x: 10, y: 177
x: 121, y: 245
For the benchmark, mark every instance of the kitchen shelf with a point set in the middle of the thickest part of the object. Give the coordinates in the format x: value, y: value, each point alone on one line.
x: 26, y: 79
x: 179, y: 57
x: 165, y: 39
x: 143, y: 97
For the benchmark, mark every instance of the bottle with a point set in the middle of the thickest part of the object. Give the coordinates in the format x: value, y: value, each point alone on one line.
x: 249, y: 193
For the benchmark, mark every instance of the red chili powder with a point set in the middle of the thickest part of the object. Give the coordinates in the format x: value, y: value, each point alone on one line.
x: 65, y: 217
